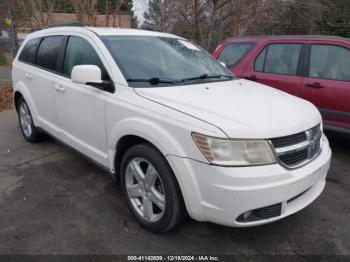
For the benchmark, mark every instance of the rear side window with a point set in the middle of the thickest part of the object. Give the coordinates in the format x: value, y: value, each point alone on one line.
x: 330, y: 62
x: 279, y: 59
x: 48, y: 52
x: 234, y: 52
x: 80, y: 52
x: 29, y: 50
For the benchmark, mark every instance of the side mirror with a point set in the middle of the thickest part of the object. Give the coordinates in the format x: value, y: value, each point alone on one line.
x: 91, y: 75
x: 83, y: 74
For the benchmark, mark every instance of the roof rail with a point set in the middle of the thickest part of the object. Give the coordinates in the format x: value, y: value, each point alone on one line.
x: 75, y: 24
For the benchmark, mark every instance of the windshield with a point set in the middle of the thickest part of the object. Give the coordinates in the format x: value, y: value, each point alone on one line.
x: 163, y: 61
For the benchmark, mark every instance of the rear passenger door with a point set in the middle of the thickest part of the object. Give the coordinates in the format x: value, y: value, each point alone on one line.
x: 327, y: 82
x: 40, y: 78
x: 277, y: 65
x: 80, y: 108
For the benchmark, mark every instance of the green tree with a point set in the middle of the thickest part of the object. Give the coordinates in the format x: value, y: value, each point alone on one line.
x: 335, y: 18
x: 153, y: 15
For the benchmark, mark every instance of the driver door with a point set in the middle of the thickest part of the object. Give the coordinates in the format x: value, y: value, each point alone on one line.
x: 81, y: 108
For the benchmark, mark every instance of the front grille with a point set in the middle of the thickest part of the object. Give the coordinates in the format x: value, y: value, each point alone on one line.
x: 294, y: 158
x: 288, y: 140
x: 298, y: 149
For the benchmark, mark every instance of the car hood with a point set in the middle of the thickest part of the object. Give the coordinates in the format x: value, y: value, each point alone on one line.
x: 240, y: 108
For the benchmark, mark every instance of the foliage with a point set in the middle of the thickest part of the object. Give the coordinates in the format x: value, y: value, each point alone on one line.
x: 335, y: 18
x: 209, y: 21
x: 3, y: 59
x: 153, y: 16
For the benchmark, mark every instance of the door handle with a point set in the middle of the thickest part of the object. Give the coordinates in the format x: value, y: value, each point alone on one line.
x: 28, y: 76
x: 59, y: 88
x: 251, y: 78
x: 314, y: 85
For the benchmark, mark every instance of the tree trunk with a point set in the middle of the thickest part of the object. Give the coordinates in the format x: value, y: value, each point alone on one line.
x: 196, y: 16
x: 107, y: 12
x: 212, y: 22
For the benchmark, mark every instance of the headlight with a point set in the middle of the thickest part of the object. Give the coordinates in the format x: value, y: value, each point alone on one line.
x: 229, y: 152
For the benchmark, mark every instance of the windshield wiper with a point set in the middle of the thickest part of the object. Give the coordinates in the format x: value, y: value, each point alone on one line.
x: 153, y: 80
x: 204, y: 76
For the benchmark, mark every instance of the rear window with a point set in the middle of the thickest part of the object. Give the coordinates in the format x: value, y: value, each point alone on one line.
x: 48, y: 52
x: 28, y: 52
x: 234, y: 52
x: 329, y: 62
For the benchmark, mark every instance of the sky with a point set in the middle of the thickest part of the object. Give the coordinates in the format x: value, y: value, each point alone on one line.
x: 139, y: 8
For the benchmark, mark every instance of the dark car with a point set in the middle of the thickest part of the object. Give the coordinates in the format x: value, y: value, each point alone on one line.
x: 316, y: 68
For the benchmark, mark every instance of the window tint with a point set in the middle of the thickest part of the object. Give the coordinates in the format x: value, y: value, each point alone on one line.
x: 279, y: 59
x: 28, y: 53
x: 80, y: 52
x: 48, y: 52
x: 330, y: 62
x: 232, y: 53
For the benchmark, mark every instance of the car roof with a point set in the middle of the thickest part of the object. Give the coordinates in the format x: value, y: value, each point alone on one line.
x: 102, y: 31
x: 285, y: 37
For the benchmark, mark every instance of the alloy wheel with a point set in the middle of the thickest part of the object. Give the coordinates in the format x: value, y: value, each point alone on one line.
x: 145, y: 189
x: 26, y: 119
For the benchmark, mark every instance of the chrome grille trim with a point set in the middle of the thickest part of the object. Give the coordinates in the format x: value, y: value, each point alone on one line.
x: 292, y: 148
x: 296, y: 150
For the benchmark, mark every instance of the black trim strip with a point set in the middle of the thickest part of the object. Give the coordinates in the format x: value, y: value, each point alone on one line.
x: 337, y: 129
x: 334, y: 113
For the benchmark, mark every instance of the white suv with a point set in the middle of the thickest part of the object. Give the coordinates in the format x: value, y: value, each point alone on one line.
x: 181, y: 133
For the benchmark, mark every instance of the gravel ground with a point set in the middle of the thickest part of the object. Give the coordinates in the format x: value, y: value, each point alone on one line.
x: 54, y: 201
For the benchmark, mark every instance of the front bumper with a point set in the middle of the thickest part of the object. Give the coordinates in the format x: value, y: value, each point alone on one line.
x: 222, y: 194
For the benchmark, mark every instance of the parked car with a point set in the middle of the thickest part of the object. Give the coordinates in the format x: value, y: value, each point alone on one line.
x: 315, y: 68
x: 179, y: 131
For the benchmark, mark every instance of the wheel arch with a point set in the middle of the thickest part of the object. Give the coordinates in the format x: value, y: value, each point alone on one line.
x: 16, y: 96
x: 131, y: 131
x: 146, y: 130
x: 21, y: 90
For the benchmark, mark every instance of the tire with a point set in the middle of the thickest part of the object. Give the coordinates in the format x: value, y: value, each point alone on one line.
x: 29, y: 131
x: 147, y: 177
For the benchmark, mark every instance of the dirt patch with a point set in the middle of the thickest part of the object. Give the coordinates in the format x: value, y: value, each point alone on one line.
x: 6, y: 91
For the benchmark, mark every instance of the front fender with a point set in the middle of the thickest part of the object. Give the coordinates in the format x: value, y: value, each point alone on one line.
x: 160, y: 137
x: 170, y: 147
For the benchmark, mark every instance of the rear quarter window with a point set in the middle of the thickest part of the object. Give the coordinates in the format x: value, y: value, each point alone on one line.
x: 234, y: 52
x: 29, y: 50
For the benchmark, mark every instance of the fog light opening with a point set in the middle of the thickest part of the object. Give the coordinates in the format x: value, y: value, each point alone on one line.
x: 247, y: 215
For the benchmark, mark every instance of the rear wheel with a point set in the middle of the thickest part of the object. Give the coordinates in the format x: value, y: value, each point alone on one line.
x: 26, y: 123
x: 151, y: 189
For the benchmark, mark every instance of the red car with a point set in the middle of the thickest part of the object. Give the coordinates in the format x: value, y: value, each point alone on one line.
x: 316, y: 68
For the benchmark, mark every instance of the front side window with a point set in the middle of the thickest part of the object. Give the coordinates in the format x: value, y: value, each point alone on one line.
x: 330, y: 62
x: 80, y: 52
x: 170, y: 60
x: 48, y: 52
x: 234, y: 52
x: 279, y: 59
x: 29, y: 50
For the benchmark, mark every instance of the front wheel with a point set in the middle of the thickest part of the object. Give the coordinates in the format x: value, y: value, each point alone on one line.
x: 151, y: 190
